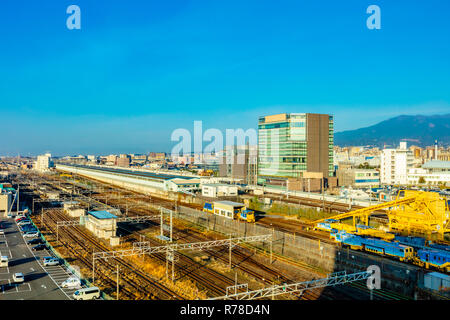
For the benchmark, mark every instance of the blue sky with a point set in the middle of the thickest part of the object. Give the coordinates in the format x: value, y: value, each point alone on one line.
x: 137, y: 70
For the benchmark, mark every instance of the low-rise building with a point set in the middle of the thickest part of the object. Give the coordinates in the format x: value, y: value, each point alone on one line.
x: 358, y: 178
x: 5, y: 202
x: 214, y: 190
x: 102, y: 223
x: 74, y: 209
x: 180, y: 185
x: 227, y: 208
x: 434, y: 172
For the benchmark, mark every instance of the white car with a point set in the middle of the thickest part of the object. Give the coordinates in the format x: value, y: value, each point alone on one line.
x: 31, y: 234
x: 18, y: 277
x: 50, y: 261
x: 23, y: 222
x: 72, y: 282
x: 2, y: 232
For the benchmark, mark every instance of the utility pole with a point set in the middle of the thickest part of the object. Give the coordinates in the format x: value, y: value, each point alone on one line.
x: 173, y: 265
x: 161, y: 223
x: 229, y: 265
x: 18, y: 199
x: 117, y: 281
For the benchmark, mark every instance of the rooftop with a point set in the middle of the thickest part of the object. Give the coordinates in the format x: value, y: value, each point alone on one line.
x: 218, y: 185
x: 439, y: 275
x: 231, y: 203
x: 102, y: 214
x: 154, y: 175
x: 436, y: 164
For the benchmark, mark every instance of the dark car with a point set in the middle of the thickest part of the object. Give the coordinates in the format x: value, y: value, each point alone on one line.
x: 39, y: 247
x: 28, y: 229
x: 35, y: 241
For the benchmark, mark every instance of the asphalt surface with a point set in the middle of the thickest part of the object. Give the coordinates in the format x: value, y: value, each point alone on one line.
x: 40, y: 282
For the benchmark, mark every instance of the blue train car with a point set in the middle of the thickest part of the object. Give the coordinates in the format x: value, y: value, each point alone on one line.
x: 326, y: 225
x: 439, y: 259
x: 394, y: 249
x: 348, y: 239
x: 440, y: 246
x: 416, y: 242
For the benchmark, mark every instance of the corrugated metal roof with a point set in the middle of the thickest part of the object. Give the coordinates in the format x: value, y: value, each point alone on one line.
x: 102, y: 214
x: 436, y: 164
x: 231, y: 203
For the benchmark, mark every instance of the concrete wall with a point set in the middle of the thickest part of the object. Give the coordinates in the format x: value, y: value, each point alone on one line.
x: 396, y: 276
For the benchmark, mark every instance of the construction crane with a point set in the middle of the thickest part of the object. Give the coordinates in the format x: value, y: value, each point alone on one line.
x: 412, y: 212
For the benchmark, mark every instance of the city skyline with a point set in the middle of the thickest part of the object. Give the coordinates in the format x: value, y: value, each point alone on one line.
x: 134, y: 73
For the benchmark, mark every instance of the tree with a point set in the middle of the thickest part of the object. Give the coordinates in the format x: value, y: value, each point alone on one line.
x: 421, y: 180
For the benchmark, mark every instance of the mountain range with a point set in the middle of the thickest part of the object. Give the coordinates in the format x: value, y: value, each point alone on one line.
x: 417, y: 130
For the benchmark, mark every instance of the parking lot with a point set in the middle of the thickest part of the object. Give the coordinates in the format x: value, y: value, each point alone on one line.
x: 41, y: 282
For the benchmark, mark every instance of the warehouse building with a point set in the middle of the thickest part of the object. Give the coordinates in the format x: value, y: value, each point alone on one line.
x: 74, y: 209
x: 227, y: 209
x: 182, y: 184
x: 215, y: 190
x: 102, y: 223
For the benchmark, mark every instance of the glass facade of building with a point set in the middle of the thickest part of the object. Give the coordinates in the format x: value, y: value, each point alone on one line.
x: 283, y: 146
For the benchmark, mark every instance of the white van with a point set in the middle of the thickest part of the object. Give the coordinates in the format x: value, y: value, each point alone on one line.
x: 72, y: 282
x: 4, y: 261
x: 87, y: 294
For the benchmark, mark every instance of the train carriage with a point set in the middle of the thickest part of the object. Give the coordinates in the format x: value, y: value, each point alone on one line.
x: 436, y: 258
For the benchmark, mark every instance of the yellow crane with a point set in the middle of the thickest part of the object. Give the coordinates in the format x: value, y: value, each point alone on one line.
x: 412, y: 212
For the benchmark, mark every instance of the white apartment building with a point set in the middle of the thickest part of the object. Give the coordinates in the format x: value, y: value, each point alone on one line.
x: 395, y: 164
x: 43, y: 162
x: 433, y: 172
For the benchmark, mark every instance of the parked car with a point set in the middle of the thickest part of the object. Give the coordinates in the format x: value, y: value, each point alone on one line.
x: 18, y: 277
x: 20, y: 218
x: 87, y: 294
x: 72, y: 282
x: 2, y: 232
x: 50, y: 261
x: 31, y: 234
x: 23, y: 222
x: 28, y: 229
x: 39, y: 247
x: 35, y: 241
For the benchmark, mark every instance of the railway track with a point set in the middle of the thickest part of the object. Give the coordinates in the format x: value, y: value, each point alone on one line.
x: 186, y: 264
x: 88, y: 242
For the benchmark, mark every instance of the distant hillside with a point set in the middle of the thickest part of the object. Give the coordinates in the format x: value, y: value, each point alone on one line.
x: 425, y: 129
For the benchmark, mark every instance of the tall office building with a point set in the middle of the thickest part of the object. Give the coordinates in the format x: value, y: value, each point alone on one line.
x: 291, y: 144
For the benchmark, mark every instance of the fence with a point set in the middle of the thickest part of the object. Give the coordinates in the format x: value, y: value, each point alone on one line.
x: 293, y: 246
